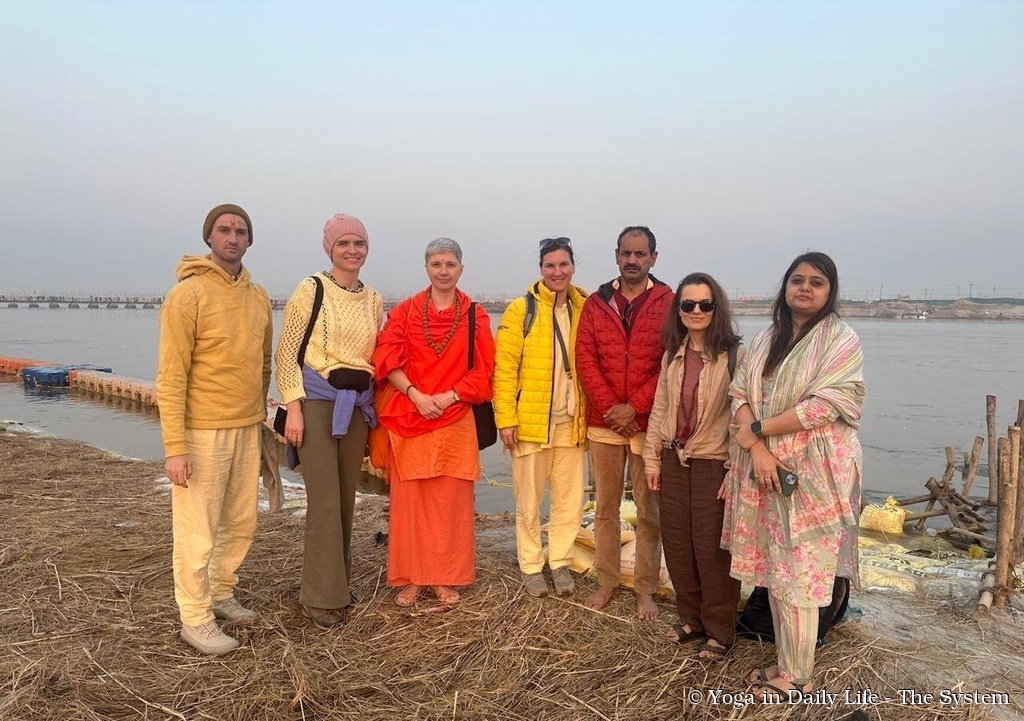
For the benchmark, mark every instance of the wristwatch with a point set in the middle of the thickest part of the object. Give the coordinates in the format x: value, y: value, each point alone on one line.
x: 755, y: 428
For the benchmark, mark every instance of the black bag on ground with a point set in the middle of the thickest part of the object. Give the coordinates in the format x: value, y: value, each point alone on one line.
x: 281, y: 417
x: 755, y: 620
x: 483, y: 413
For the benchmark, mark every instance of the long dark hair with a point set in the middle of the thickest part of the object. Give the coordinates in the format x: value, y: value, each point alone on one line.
x: 782, y: 317
x: 722, y: 333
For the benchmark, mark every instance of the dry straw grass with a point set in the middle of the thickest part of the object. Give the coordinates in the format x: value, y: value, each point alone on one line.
x: 89, y: 628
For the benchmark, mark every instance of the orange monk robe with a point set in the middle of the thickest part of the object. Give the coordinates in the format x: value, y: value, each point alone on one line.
x: 432, y: 464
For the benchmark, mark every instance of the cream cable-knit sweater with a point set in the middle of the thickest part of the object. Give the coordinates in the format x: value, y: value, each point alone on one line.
x: 344, y: 335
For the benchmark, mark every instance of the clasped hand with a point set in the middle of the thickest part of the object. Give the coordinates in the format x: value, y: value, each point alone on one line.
x: 431, y: 406
x: 621, y: 418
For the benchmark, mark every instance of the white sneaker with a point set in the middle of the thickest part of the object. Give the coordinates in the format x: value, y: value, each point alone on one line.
x: 208, y: 639
x: 229, y: 609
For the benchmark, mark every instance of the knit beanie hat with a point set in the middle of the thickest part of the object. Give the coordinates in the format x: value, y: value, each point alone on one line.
x: 340, y: 225
x: 220, y: 210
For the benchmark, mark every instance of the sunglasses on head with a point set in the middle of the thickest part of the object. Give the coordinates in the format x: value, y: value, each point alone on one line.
x: 688, y: 306
x: 555, y: 243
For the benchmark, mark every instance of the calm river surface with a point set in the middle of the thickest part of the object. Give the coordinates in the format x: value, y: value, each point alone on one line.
x: 926, y: 387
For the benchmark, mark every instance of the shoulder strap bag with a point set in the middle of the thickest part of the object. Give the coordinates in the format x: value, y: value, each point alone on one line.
x: 318, y: 300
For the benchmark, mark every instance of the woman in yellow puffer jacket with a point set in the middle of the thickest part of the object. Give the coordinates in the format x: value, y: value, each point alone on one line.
x: 540, y: 413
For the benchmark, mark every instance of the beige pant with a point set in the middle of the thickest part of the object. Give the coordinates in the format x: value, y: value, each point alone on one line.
x: 609, y: 466
x: 560, y: 467
x: 796, y: 637
x: 214, y: 518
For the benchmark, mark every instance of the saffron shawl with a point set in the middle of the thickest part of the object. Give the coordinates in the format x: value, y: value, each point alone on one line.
x: 822, y: 378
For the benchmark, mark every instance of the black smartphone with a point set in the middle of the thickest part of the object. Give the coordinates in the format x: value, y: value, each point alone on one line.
x: 787, y: 479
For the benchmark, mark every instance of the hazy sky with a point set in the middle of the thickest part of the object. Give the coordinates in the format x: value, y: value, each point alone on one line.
x: 888, y: 134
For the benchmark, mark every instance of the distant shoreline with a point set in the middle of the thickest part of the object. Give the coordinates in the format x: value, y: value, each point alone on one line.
x: 961, y: 309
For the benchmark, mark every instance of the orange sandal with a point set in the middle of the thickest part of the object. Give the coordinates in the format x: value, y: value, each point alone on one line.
x: 446, y: 594
x: 407, y: 596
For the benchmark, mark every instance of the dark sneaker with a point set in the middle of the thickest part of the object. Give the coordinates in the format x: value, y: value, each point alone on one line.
x: 325, y: 618
x: 562, y: 578
x: 535, y: 584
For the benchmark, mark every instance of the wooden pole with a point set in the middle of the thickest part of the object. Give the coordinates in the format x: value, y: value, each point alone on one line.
x: 972, y: 466
x: 993, y: 452
x: 931, y: 485
x: 987, y: 540
x: 950, y: 466
x: 1006, y: 522
x: 1017, y: 550
x: 987, y: 583
x: 1013, y: 434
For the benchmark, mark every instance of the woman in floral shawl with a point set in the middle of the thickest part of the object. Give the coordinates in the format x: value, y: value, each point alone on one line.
x: 796, y: 402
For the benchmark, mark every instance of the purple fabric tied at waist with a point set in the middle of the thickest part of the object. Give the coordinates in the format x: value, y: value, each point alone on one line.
x: 345, y: 404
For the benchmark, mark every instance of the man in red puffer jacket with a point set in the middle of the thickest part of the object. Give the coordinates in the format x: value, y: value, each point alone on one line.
x: 618, y: 358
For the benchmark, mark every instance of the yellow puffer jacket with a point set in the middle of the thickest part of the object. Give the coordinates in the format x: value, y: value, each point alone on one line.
x: 524, y: 368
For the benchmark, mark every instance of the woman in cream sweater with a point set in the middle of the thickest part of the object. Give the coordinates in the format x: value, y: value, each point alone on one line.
x: 329, y: 396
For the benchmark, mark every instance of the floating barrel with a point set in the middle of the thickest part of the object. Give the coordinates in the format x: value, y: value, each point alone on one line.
x: 14, y: 366
x: 45, y: 377
x: 115, y: 386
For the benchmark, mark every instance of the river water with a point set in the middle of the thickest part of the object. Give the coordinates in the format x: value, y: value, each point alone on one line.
x: 926, y: 387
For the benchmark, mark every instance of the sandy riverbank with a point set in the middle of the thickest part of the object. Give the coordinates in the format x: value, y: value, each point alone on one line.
x: 89, y: 629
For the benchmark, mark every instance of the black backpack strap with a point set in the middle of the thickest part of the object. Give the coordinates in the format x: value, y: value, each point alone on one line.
x: 732, y: 360
x: 531, y: 314
x: 472, y: 331
x: 318, y: 301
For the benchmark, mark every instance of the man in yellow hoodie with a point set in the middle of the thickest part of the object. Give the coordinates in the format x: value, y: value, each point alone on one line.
x: 216, y: 334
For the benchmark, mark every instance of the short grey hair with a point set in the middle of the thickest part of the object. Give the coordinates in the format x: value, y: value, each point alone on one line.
x: 442, y: 245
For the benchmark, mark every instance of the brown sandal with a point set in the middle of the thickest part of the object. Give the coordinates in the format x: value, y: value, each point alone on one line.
x: 407, y: 596
x: 780, y: 694
x: 446, y: 594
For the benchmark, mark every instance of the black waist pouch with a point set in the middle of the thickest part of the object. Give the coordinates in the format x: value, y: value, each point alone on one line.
x: 349, y: 379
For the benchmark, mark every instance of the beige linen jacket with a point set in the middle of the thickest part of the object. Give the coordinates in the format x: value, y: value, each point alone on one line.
x: 711, y: 438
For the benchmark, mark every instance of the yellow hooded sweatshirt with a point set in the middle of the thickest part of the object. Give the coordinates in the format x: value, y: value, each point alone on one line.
x: 216, y: 335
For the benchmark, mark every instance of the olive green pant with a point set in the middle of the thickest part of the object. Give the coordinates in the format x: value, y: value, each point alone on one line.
x: 331, y: 469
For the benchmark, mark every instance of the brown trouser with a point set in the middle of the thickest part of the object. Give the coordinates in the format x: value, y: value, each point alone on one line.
x: 331, y: 469
x: 609, y: 466
x: 691, y: 533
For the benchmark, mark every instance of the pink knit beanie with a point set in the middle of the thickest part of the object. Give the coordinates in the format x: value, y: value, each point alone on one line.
x: 340, y: 225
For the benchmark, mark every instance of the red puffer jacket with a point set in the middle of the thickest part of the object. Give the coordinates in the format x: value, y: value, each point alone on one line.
x: 613, y: 370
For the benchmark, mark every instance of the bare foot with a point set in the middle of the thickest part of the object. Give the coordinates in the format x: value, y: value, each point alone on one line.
x: 646, y: 609
x: 600, y: 597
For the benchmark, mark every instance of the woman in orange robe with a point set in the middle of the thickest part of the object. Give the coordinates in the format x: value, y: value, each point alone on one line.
x: 422, y: 368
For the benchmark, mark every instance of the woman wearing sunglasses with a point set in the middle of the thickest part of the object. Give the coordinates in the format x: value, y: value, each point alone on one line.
x: 539, y: 411
x: 797, y: 406
x: 685, y: 452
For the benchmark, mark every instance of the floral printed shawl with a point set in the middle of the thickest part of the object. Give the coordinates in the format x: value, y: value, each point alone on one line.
x: 822, y: 377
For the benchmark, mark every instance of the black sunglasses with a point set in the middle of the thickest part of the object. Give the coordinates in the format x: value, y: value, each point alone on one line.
x: 555, y: 243
x: 706, y: 306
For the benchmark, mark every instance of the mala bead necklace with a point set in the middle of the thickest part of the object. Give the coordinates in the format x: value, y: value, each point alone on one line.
x: 451, y: 331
